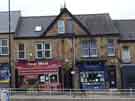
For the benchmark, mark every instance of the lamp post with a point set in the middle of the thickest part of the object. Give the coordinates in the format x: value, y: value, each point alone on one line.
x: 9, y: 41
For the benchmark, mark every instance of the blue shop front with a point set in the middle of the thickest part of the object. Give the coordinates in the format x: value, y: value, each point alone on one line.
x: 128, y: 76
x: 93, y: 76
x: 4, y: 75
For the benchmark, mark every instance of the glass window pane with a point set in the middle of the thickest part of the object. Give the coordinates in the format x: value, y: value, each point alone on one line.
x: 61, y: 26
x: 47, y: 46
x: 85, y: 52
x: 110, y: 43
x: 21, y: 55
x: 4, y: 42
x: 53, y: 78
x: 21, y: 47
x: 47, y: 53
x: 5, y: 50
x: 92, y: 43
x: 93, y: 52
x: 39, y: 54
x: 39, y: 46
x: 0, y: 50
x: 111, y: 51
x: 85, y: 44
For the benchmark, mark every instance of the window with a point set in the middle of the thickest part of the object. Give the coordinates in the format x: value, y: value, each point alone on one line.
x: 38, y: 28
x: 21, y: 51
x: 61, y: 26
x: 3, y: 47
x: 49, y: 78
x: 126, y: 57
x: 94, y: 77
x: 4, y: 73
x: 88, y: 48
x: 44, y: 78
x: 110, y: 48
x: 43, y: 50
x: 53, y: 78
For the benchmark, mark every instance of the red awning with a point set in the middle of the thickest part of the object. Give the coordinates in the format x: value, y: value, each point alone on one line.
x: 36, y: 68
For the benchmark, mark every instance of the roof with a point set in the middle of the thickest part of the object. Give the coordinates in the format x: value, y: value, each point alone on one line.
x: 126, y: 29
x: 4, y: 21
x: 97, y: 24
x: 27, y: 25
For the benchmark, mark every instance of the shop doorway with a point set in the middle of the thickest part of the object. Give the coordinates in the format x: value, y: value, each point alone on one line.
x: 112, y: 76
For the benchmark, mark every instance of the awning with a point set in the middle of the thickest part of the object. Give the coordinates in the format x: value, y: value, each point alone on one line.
x: 37, y: 68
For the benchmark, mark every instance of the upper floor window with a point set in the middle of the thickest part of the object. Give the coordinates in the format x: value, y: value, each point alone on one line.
x: 89, y: 48
x: 21, y: 51
x: 61, y: 26
x: 110, y: 48
x: 3, y: 46
x: 126, y: 56
x: 43, y: 50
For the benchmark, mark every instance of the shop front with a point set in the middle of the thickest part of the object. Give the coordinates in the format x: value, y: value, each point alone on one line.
x: 41, y: 75
x: 4, y: 76
x: 92, y: 76
x: 128, y: 76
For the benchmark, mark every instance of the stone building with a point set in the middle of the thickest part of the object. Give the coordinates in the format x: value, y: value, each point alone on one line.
x: 87, y: 51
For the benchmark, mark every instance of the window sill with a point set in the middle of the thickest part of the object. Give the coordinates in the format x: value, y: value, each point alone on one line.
x: 111, y: 55
x: 4, y: 55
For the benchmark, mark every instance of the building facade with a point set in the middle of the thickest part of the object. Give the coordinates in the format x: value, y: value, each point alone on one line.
x: 89, y: 51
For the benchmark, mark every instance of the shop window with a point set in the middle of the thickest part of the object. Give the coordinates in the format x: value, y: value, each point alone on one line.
x: 126, y: 57
x: 4, y: 73
x: 21, y: 51
x: 3, y: 47
x: 49, y: 78
x: 43, y: 50
x: 61, y: 26
x: 53, y: 78
x: 92, y: 77
x: 44, y: 78
x: 88, y: 48
x: 110, y: 48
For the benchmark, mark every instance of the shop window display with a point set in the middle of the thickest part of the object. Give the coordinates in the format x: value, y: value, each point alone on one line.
x: 92, y: 77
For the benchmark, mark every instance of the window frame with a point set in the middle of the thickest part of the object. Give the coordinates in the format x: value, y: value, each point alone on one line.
x: 43, y: 50
x: 18, y: 51
x: 7, y: 46
x: 111, y: 47
x: 89, y: 48
x: 61, y: 26
x: 124, y: 59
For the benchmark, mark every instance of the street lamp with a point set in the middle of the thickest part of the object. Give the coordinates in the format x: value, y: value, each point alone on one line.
x: 9, y: 41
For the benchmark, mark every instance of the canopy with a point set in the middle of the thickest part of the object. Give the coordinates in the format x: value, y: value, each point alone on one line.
x: 37, y: 68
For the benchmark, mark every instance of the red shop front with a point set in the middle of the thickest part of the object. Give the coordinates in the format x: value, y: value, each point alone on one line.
x: 41, y: 75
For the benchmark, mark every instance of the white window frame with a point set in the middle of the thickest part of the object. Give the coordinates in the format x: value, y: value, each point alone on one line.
x: 18, y: 51
x: 93, y: 48
x: 39, y: 50
x: 89, y: 48
x: 126, y: 58
x: 43, y: 50
x: 61, y: 26
x: 110, y: 47
x: 1, y: 46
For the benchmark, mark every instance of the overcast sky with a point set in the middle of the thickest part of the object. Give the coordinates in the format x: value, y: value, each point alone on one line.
x: 118, y: 9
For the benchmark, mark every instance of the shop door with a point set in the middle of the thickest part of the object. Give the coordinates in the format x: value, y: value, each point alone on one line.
x: 112, y: 77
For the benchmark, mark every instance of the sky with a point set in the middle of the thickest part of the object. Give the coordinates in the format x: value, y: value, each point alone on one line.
x: 118, y: 9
